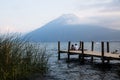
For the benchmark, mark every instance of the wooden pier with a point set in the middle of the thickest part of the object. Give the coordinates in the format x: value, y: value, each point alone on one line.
x: 91, y: 53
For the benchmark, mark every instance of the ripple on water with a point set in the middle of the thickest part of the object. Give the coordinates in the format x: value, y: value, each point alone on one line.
x: 74, y: 70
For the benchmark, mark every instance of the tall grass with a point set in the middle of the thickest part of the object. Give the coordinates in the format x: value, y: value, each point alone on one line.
x: 19, y: 58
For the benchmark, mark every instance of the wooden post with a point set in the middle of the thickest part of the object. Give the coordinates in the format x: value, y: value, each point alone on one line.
x: 69, y: 46
x: 80, y: 46
x: 108, y: 50
x: 92, y: 48
x: 69, y: 50
x: 82, y: 52
x: 102, y: 51
x: 58, y: 50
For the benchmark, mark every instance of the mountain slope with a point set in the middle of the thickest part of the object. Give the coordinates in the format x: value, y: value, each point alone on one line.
x: 67, y: 28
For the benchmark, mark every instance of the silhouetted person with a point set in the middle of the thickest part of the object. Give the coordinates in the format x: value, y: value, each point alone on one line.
x: 116, y: 51
x: 76, y: 47
x: 72, y: 47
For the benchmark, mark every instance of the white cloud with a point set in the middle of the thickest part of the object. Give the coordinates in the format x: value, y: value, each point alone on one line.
x: 100, y: 12
x: 27, y: 15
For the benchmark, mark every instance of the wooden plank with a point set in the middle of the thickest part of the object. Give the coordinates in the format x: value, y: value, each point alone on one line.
x: 93, y: 53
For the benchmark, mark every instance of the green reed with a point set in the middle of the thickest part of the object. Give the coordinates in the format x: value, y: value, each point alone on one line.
x: 20, y: 58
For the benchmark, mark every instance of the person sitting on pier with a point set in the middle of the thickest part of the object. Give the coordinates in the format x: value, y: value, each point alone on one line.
x: 76, y: 47
x: 115, y: 52
x: 72, y: 47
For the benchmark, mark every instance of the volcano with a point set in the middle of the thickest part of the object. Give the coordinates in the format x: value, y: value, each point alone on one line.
x: 69, y: 28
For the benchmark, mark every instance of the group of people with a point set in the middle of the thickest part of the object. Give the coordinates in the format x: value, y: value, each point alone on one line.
x: 75, y: 47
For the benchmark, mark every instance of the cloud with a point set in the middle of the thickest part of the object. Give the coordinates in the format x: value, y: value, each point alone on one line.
x: 114, y: 5
x: 91, y: 4
x: 100, y: 12
x: 107, y: 21
x: 26, y: 15
x: 98, y: 5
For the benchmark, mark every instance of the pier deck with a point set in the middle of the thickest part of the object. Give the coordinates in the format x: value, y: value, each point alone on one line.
x: 93, y: 53
x: 83, y: 52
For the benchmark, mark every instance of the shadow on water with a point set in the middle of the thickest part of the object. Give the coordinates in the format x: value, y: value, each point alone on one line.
x: 75, y: 70
x: 108, y: 71
x: 102, y: 67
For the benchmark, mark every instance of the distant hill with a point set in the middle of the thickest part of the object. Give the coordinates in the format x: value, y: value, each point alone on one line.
x: 67, y: 28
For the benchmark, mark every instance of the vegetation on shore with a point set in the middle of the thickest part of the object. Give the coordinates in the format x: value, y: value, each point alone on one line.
x: 20, y: 58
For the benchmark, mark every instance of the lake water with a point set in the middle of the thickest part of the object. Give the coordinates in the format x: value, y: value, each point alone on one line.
x: 74, y: 70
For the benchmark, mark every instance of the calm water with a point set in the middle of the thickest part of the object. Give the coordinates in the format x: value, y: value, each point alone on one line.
x: 74, y: 70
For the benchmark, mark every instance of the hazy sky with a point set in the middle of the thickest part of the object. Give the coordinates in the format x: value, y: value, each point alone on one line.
x: 26, y: 15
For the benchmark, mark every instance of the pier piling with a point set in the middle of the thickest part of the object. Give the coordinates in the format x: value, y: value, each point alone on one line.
x: 102, y: 52
x: 58, y: 50
x: 92, y: 49
x: 69, y: 50
x: 82, y: 52
x: 108, y: 50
